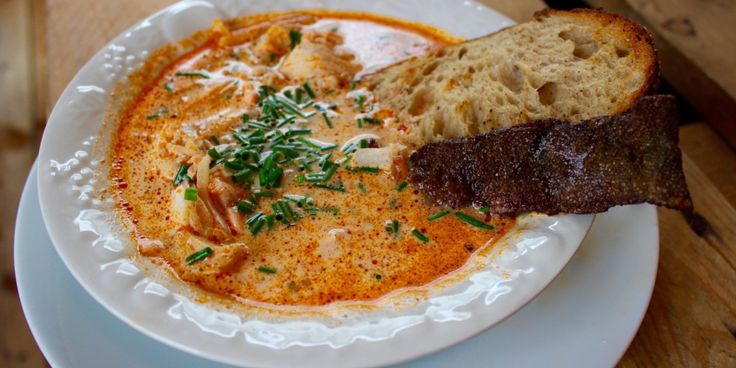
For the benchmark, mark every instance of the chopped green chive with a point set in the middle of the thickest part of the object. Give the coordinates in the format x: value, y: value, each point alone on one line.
x: 254, y: 218
x: 193, y: 75
x: 268, y: 270
x: 198, y: 256
x: 309, y: 90
x: 401, y: 186
x: 270, y: 219
x: 256, y: 227
x: 169, y: 87
x: 246, y: 206
x: 293, y: 132
x: 157, y: 114
x: 332, y: 210
x: 360, y: 101
x: 334, y: 187
x: 393, y: 203
x: 373, y: 170
x: 322, y: 146
x: 438, y: 215
x: 420, y: 235
x: 392, y: 227
x: 216, y: 155
x: 472, y: 221
x: 190, y: 194
x: 361, y: 188
x: 295, y: 38
x: 181, y: 175
x: 327, y: 119
x: 298, y: 95
x: 263, y: 147
x: 484, y: 209
x: 368, y: 120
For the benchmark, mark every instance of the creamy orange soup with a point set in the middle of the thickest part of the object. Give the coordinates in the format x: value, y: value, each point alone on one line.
x: 258, y: 168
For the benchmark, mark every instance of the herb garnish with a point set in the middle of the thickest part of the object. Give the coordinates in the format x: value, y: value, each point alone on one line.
x: 193, y: 75
x: 361, y: 187
x: 393, y: 203
x: 169, y: 87
x: 181, y: 175
x: 295, y: 38
x: 392, y: 227
x: 309, y: 90
x: 420, y: 235
x: 360, y: 101
x: 401, y: 186
x: 337, y: 187
x: 267, y: 144
x: 369, y: 169
x: 368, y: 120
x: 268, y: 270
x: 157, y: 114
x: 255, y: 223
x: 327, y: 119
x: 198, y: 256
x: 190, y: 194
x: 438, y: 215
x: 472, y: 221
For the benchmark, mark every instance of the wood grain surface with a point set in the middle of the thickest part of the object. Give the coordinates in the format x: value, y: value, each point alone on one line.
x: 17, y: 150
x: 692, y: 317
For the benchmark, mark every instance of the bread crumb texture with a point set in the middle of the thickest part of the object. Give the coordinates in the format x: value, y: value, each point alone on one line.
x: 569, y: 65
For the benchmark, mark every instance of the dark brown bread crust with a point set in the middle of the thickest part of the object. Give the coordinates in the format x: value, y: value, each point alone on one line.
x: 551, y: 166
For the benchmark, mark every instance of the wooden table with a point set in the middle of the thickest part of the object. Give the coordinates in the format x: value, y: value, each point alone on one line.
x: 691, y: 320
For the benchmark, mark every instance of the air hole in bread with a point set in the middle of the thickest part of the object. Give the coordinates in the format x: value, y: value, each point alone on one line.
x: 421, y: 100
x: 441, y: 52
x: 547, y: 93
x: 621, y: 52
x: 510, y: 76
x: 430, y: 68
x: 586, y: 50
x: 585, y: 46
x: 462, y: 53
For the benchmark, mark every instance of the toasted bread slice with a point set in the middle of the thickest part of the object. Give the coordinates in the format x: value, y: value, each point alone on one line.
x: 566, y: 65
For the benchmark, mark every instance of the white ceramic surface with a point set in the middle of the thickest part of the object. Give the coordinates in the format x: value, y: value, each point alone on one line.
x: 98, y: 256
x: 585, y: 318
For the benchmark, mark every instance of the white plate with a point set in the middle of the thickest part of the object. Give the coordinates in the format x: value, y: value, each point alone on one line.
x: 585, y: 318
x: 155, y: 307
